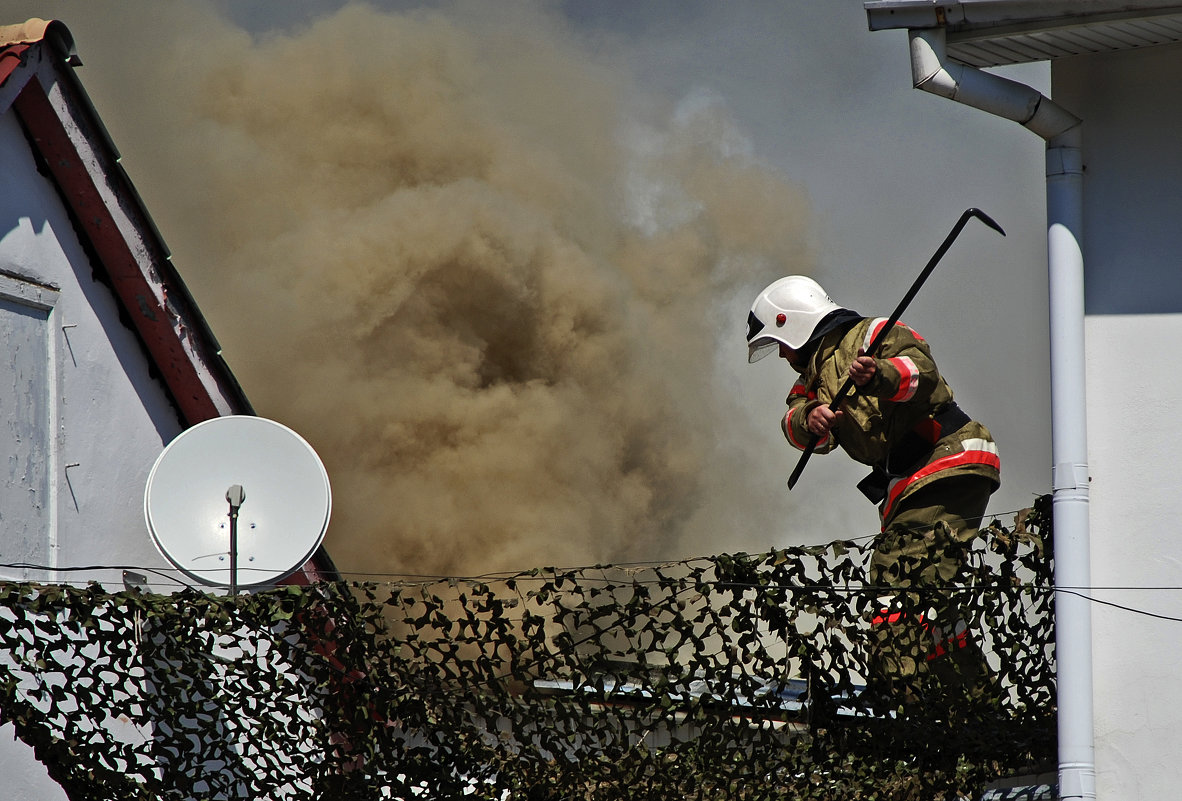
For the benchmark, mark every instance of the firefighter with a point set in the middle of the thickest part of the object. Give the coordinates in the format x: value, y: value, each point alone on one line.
x: 933, y: 468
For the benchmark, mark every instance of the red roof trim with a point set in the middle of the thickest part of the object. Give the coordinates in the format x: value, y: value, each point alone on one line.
x: 151, y: 319
x: 10, y: 59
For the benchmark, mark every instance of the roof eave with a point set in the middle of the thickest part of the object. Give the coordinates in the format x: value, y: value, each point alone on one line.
x: 1013, y: 14
x: 990, y: 33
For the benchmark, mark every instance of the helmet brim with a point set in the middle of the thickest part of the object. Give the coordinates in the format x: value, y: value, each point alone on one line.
x: 764, y: 346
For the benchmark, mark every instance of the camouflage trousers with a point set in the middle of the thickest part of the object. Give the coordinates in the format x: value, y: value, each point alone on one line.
x: 923, y: 646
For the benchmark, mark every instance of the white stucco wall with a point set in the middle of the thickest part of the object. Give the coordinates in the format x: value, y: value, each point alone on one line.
x: 1132, y: 246
x: 110, y: 418
x: 78, y: 498
x: 1133, y: 407
x: 1129, y: 104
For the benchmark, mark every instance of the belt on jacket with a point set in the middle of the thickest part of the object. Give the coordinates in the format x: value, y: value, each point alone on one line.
x: 912, y: 451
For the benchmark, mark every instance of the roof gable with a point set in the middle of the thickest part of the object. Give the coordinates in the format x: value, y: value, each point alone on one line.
x: 73, y: 150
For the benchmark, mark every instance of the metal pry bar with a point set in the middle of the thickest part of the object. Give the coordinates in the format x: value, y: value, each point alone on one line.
x: 894, y: 318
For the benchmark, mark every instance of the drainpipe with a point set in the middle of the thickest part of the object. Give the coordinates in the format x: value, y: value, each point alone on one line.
x: 934, y: 72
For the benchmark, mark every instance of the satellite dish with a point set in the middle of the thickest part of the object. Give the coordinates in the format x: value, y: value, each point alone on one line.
x: 280, y: 486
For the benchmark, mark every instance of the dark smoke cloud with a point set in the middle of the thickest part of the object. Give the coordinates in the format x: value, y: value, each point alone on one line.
x: 468, y: 260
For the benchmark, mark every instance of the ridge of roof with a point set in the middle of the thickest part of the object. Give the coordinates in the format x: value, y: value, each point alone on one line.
x: 36, y: 29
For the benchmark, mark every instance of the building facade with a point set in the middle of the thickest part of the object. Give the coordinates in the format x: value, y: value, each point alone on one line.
x: 109, y: 358
x: 1112, y: 172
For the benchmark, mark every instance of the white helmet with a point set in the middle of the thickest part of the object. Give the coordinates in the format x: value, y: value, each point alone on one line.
x: 787, y: 312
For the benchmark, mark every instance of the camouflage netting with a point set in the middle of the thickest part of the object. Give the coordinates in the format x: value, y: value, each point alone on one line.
x: 766, y: 676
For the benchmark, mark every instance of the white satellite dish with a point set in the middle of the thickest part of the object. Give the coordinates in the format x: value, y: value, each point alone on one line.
x: 279, y: 483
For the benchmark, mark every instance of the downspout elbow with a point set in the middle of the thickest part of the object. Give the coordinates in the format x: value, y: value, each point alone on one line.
x: 932, y: 71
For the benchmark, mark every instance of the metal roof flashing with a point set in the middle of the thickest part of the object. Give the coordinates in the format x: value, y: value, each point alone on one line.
x: 991, y: 33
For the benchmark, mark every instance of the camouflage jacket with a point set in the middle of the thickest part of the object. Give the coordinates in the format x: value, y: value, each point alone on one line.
x: 903, y: 422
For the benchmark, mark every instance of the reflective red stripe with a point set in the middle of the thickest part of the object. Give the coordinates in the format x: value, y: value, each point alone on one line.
x: 908, y: 379
x: 941, y: 647
x: 887, y: 616
x: 788, y: 431
x: 968, y: 457
x: 872, y: 332
x: 795, y: 442
x: 877, y: 325
x: 955, y: 643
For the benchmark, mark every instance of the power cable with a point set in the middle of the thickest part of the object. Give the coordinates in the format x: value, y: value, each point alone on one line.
x: 1080, y: 592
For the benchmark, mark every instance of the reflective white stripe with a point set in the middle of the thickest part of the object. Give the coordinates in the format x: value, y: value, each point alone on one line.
x: 908, y: 379
x: 978, y: 444
x: 875, y: 325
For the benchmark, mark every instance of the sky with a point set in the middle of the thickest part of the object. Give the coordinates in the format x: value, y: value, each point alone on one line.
x: 493, y: 260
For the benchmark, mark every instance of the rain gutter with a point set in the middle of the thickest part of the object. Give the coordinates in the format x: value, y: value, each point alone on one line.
x: 934, y: 72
